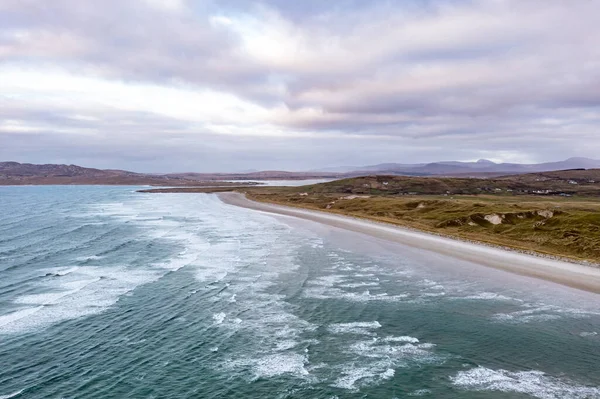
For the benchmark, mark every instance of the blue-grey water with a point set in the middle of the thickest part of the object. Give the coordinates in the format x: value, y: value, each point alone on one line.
x: 107, y: 293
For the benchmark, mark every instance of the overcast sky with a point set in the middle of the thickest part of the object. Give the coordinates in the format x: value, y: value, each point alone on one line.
x: 232, y: 85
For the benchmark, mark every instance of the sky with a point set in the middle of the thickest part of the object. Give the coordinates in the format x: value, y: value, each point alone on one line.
x: 238, y: 85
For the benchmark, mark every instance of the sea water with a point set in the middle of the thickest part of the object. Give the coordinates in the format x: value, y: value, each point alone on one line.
x: 109, y: 293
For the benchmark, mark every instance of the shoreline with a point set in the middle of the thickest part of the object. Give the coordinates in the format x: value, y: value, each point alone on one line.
x: 574, y: 275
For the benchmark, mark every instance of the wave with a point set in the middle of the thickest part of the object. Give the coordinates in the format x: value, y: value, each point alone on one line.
x: 7, y: 321
x: 25, y: 235
x: 408, y: 339
x: 535, y: 383
x: 539, y: 312
x: 489, y: 296
x: 89, y: 258
x: 274, y: 365
x: 362, y: 327
x: 12, y: 395
x: 59, y: 271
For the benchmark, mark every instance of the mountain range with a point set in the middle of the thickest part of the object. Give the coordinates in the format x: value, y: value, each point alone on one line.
x: 479, y: 168
x: 15, y: 173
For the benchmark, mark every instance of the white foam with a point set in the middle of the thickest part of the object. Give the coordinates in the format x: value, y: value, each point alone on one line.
x: 588, y: 334
x: 329, y: 281
x: 379, y: 358
x: 219, y: 318
x: 351, y: 376
x: 7, y: 320
x: 387, y: 374
x: 11, y: 395
x: 432, y: 294
x: 359, y: 285
x: 541, y: 312
x: 534, y: 383
x: 420, y: 392
x: 277, y: 364
x: 285, y: 345
x: 489, y: 296
x: 408, y: 339
x: 338, y: 294
x: 354, y: 328
x: 373, y: 349
x: 84, y: 292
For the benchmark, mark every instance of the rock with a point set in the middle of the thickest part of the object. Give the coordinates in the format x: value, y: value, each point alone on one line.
x: 545, y: 214
x: 493, y: 218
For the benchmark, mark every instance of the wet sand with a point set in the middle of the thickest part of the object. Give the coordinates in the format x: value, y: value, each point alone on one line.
x: 574, y: 275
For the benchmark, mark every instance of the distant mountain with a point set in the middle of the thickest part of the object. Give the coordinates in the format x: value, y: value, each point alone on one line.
x: 262, y: 175
x: 17, y: 169
x: 479, y: 168
x: 15, y: 173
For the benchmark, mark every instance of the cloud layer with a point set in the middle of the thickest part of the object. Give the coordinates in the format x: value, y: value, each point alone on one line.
x: 165, y: 85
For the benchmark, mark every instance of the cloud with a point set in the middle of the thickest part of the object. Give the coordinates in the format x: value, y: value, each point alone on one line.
x: 299, y: 84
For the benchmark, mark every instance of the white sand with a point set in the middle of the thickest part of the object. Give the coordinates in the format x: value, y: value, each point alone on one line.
x: 570, y: 274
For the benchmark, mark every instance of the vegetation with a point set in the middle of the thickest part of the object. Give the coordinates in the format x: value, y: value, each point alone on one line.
x: 566, y: 183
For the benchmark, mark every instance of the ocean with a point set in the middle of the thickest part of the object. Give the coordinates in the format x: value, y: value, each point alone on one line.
x: 108, y: 293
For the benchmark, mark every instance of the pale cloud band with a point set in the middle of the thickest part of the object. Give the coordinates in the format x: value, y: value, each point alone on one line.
x: 233, y: 85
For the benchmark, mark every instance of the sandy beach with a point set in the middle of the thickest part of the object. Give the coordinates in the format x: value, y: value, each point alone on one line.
x: 578, y: 276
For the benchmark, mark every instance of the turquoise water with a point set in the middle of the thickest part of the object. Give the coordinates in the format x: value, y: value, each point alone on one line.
x: 106, y: 293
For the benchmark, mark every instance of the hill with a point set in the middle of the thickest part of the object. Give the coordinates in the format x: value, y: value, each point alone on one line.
x: 566, y: 183
x: 260, y: 175
x: 480, y: 168
x: 15, y: 173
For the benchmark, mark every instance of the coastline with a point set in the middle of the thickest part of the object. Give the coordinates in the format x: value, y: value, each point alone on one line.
x: 573, y: 275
